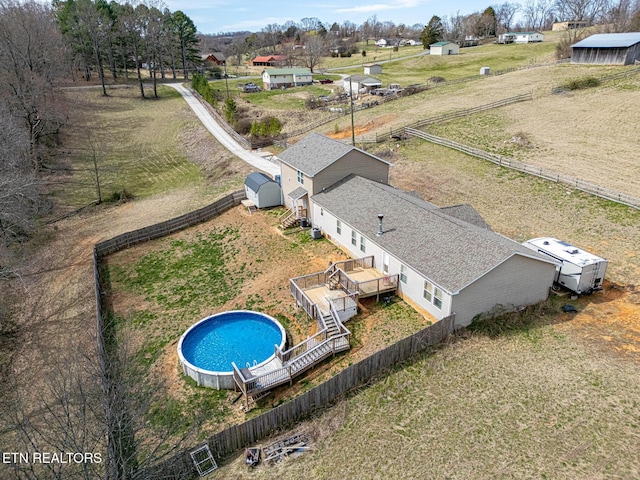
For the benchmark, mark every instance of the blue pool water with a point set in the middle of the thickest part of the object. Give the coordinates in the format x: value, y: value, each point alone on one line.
x: 237, y: 336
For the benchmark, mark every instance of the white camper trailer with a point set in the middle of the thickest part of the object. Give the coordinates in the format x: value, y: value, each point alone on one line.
x: 579, y: 271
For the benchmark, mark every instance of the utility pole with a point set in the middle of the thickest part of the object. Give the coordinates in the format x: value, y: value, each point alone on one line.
x: 353, y: 132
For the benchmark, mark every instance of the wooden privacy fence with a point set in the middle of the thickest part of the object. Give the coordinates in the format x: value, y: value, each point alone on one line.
x: 248, y: 433
x: 576, y: 183
x: 168, y: 227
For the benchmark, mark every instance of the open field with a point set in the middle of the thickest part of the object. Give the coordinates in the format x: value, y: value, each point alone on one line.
x: 554, y: 397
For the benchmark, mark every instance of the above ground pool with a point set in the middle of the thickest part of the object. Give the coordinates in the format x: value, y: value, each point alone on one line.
x: 246, y: 338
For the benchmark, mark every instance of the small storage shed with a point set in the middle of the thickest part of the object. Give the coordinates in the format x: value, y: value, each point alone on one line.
x: 444, y: 48
x: 263, y: 191
x: 374, y: 69
x: 578, y: 270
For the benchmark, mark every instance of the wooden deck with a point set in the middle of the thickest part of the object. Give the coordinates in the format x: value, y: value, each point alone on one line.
x: 372, y: 281
x: 321, y: 295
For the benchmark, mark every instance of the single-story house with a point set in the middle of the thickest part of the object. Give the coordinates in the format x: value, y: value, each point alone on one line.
x: 607, y: 48
x: 316, y: 162
x: 569, y: 25
x: 520, y: 37
x: 216, y: 57
x: 269, y: 61
x: 448, y: 259
x: 382, y: 42
x: 360, y: 84
x: 444, y: 48
x: 274, y: 78
x: 374, y: 69
x: 262, y: 190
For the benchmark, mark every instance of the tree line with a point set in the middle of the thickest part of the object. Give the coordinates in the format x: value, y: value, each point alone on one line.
x: 341, y: 38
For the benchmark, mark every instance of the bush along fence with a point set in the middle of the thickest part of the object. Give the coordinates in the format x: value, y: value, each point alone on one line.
x: 588, y: 82
x: 324, y: 395
x: 121, y: 460
x: 576, y: 183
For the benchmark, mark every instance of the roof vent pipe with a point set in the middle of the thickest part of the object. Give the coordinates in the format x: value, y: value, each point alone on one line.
x: 380, y: 217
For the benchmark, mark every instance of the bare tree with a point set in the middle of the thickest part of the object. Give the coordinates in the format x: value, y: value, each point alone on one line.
x: 505, y: 14
x: 538, y: 14
x: 315, y: 49
x: 590, y: 10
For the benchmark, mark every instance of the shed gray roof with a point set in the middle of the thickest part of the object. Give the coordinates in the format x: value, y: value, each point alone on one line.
x: 449, y: 251
x: 609, y: 40
x: 316, y: 152
x: 256, y: 179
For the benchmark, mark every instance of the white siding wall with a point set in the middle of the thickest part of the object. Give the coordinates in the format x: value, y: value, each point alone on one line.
x: 289, y: 182
x: 517, y: 282
x: 414, y: 287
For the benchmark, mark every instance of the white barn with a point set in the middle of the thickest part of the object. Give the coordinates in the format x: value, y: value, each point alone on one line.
x: 444, y: 48
x: 448, y: 259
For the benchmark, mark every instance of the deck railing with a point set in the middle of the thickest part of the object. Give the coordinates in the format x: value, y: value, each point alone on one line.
x: 302, y: 347
x: 378, y: 285
x: 352, y: 264
x: 341, y: 304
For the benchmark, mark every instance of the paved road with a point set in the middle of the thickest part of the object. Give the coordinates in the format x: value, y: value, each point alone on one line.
x: 223, y: 137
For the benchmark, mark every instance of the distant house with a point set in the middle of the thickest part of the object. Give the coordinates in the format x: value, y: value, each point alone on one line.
x: 447, y: 259
x: 607, y: 48
x: 520, y: 37
x: 570, y: 25
x: 316, y: 162
x: 471, y: 41
x: 269, y: 61
x: 381, y: 42
x: 216, y: 57
x: 262, y: 190
x: 275, y: 78
x: 444, y: 48
x: 374, y: 69
x: 360, y: 84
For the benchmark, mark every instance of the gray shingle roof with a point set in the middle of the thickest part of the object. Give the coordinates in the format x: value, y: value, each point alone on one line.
x: 609, y: 40
x: 297, y: 193
x: 255, y: 180
x: 449, y: 251
x: 316, y: 152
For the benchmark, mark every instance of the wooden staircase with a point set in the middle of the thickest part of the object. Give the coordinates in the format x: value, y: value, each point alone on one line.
x: 291, y: 218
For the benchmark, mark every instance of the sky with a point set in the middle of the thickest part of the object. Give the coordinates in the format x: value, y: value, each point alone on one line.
x: 219, y: 16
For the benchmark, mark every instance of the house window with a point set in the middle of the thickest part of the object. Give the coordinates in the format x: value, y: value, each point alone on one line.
x: 428, y: 291
x: 354, y: 240
x: 403, y: 274
x: 338, y: 227
x: 432, y: 294
x: 363, y: 246
x: 300, y: 177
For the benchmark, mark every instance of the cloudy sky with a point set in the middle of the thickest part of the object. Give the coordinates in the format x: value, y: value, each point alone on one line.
x: 216, y: 16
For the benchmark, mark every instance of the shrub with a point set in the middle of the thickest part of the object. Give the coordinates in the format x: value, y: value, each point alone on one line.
x: 581, y: 83
x: 243, y: 126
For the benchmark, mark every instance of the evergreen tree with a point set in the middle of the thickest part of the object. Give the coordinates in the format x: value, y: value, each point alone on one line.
x: 187, y: 40
x: 432, y: 32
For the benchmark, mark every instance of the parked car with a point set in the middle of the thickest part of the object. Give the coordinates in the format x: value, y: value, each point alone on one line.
x: 326, y: 80
x: 250, y: 87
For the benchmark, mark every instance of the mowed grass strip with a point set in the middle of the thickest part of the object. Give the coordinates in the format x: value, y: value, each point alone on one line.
x: 134, y: 143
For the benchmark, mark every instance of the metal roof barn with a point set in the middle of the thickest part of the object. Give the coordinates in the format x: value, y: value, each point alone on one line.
x: 608, y: 48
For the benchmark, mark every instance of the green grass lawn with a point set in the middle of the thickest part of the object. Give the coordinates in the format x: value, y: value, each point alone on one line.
x: 133, y: 143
